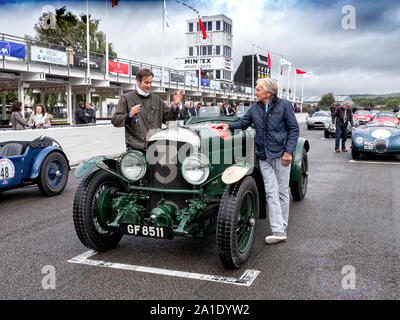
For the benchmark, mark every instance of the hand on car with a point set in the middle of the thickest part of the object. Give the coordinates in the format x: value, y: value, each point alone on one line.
x: 223, y: 126
x: 134, y: 110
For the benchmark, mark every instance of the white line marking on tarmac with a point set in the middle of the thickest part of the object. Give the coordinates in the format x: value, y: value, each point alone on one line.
x: 245, y: 280
x: 372, y: 162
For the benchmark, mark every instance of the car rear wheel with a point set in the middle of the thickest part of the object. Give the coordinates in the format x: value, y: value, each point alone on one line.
x: 298, y: 189
x: 92, y: 209
x: 53, y: 175
x: 236, y: 223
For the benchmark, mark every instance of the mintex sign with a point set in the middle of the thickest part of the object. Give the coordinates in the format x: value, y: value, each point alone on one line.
x: 195, y: 63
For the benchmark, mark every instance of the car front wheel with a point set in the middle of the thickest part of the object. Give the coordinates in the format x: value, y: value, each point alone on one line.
x: 92, y: 211
x: 236, y: 223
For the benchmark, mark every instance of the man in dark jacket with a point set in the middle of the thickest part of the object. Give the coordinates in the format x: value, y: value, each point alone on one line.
x: 228, y: 111
x: 140, y: 111
x: 90, y: 114
x: 80, y: 117
x: 184, y: 113
x: 195, y: 110
x: 276, y: 137
x: 340, y: 119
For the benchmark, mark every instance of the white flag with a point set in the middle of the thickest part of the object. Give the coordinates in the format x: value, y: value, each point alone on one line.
x: 283, y: 61
x: 166, y: 15
x: 308, y: 74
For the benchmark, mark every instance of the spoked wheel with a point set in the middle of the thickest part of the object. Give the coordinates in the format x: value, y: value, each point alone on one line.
x: 298, y: 189
x: 53, y: 174
x: 92, y: 211
x: 236, y: 222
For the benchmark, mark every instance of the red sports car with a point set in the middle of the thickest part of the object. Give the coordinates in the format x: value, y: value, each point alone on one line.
x: 382, y: 117
x: 362, y: 116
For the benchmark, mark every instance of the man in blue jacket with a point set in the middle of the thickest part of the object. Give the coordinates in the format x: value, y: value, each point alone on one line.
x: 276, y: 137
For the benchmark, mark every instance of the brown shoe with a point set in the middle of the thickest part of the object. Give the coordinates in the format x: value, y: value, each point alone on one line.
x: 337, y: 150
x: 344, y: 150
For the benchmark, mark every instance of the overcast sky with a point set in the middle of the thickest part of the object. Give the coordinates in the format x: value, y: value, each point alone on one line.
x: 308, y: 33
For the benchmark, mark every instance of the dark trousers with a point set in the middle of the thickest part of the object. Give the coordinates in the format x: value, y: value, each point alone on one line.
x: 341, y: 132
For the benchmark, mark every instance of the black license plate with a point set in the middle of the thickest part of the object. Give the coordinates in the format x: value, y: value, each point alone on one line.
x: 139, y: 230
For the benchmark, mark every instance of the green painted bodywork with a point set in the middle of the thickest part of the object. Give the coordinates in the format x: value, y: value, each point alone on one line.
x: 198, y: 218
x: 295, y: 170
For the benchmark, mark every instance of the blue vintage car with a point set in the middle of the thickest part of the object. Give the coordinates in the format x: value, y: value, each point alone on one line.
x: 41, y: 161
x: 376, y: 137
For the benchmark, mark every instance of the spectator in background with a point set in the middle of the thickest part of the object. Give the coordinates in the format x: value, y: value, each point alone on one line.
x: 18, y: 122
x: 228, y: 111
x: 194, y: 111
x: 340, y: 119
x: 110, y: 108
x: 234, y: 108
x: 80, y: 117
x: 396, y: 109
x: 332, y: 108
x: 39, y: 119
x: 90, y: 114
x: 184, y: 111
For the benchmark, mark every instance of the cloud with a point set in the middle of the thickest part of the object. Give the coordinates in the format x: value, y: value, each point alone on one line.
x: 307, y: 33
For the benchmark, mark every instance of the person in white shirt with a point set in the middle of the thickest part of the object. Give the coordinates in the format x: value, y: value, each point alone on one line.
x: 39, y: 118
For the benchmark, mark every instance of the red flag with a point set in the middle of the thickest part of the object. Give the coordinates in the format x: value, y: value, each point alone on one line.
x: 202, y: 29
x: 269, y: 61
x: 298, y: 71
x: 281, y: 69
x: 114, y: 3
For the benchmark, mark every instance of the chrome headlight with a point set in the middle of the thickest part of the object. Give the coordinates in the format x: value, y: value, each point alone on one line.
x: 327, y: 125
x: 132, y: 165
x: 359, y: 140
x: 196, y: 169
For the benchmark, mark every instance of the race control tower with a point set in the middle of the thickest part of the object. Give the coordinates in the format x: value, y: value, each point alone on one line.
x: 213, y: 55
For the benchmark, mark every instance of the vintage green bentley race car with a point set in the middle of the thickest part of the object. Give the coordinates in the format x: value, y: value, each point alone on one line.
x: 193, y: 180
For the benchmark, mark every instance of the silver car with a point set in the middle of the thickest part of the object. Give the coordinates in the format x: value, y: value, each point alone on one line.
x: 317, y: 120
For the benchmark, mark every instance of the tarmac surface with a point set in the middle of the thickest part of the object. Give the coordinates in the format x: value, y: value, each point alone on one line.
x: 348, y: 224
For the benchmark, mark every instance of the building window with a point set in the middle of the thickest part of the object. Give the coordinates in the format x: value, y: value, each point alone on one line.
x: 227, y: 51
x: 209, y: 26
x: 227, y: 75
x: 191, y: 51
x: 190, y: 27
x: 218, y: 74
x: 209, y: 49
x: 217, y: 50
x: 218, y: 25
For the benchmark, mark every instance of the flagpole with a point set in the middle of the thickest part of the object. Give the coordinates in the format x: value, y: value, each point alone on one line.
x: 288, y: 83
x: 87, y: 40
x: 294, y: 96
x: 163, y: 44
x: 107, y: 40
x: 302, y: 91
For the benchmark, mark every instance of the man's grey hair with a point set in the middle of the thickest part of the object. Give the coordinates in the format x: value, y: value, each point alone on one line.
x: 269, y: 85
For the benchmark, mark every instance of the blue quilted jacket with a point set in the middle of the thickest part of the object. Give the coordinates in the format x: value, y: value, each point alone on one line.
x: 277, y: 130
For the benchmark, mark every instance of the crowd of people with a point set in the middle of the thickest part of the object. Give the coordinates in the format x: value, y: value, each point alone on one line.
x: 39, y: 118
